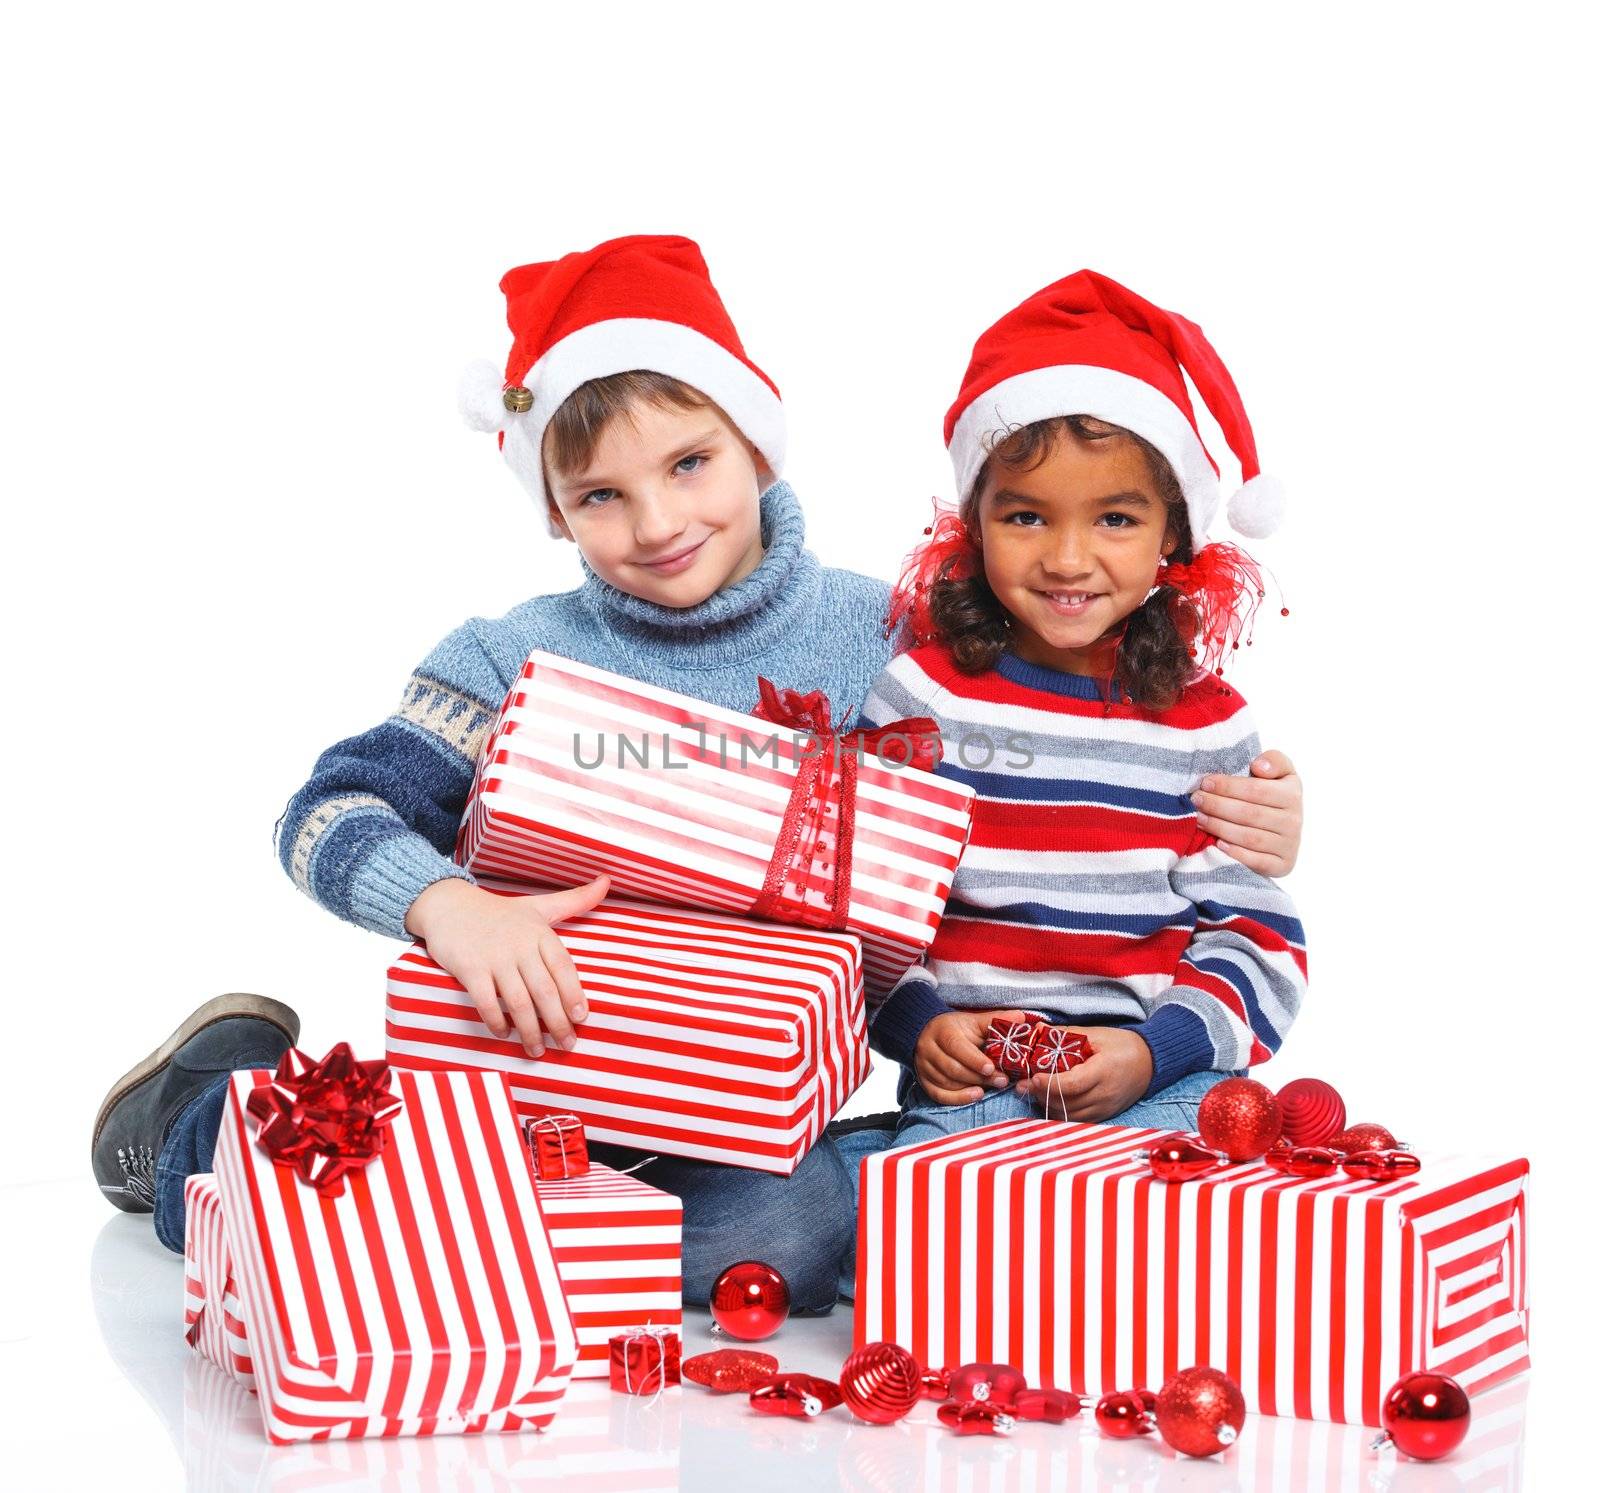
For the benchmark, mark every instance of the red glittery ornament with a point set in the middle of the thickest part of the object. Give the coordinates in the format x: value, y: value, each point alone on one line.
x: 750, y: 1301
x: 880, y: 1383
x: 799, y: 1395
x: 1381, y: 1166
x: 1240, y: 1118
x: 1312, y: 1111
x: 936, y: 1384
x: 1365, y: 1137
x: 1303, y: 1161
x: 997, y: 1382
x: 977, y: 1418
x: 1176, y: 1158
x: 1126, y: 1413
x: 1200, y: 1412
x: 1425, y: 1415
x: 729, y: 1370
x: 1053, y: 1405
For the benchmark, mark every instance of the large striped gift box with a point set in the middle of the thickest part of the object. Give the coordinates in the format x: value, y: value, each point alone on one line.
x: 423, y: 1299
x: 708, y: 1035
x: 1048, y: 1245
x: 212, y: 1318
x: 587, y: 771
x: 618, y: 1245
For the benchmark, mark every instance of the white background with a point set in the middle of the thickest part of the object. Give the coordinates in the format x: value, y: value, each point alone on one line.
x: 249, y: 255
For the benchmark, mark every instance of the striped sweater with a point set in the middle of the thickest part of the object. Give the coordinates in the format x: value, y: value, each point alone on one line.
x: 1088, y: 893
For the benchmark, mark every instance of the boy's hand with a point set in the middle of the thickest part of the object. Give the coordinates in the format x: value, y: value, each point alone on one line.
x: 505, y: 953
x: 1115, y: 1076
x: 948, y: 1059
x: 1257, y: 819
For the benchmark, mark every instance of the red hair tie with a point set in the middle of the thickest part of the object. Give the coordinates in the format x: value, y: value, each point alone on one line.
x: 947, y: 554
x: 1223, y: 587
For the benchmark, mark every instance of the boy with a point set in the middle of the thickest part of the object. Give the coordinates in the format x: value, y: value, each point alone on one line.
x: 632, y: 416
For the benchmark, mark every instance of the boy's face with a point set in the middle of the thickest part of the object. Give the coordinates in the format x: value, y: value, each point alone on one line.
x: 669, y: 509
x: 1071, y: 548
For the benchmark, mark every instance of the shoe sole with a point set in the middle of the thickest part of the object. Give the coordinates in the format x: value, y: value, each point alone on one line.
x: 218, y: 1008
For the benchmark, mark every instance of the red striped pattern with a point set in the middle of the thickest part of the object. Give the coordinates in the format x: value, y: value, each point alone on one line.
x: 708, y: 1036
x: 211, y: 1298
x: 1047, y: 1245
x: 424, y: 1299
x: 696, y: 825
x: 618, y: 1248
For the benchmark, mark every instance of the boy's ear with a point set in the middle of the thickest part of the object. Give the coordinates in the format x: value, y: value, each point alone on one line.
x: 557, y: 521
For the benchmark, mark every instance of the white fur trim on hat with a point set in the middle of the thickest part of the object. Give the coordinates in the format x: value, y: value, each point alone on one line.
x: 622, y: 345
x: 480, y: 396
x: 1084, y: 389
x: 1257, y: 509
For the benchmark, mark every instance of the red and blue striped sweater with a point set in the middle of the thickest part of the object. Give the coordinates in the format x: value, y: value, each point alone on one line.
x: 1088, y: 892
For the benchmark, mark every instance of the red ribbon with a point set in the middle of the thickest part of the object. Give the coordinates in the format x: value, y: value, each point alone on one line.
x: 559, y: 1147
x: 324, y: 1119
x: 827, y: 775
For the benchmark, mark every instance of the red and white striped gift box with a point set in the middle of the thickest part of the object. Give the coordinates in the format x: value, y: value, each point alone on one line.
x: 424, y: 1298
x: 1048, y: 1245
x: 587, y: 771
x: 708, y: 1035
x: 212, y: 1320
x: 618, y: 1245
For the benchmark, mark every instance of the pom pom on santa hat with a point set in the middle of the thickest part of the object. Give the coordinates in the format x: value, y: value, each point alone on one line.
x: 480, y: 396
x: 1086, y: 345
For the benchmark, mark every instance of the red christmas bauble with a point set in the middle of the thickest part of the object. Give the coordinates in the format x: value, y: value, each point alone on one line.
x: 880, y: 1383
x: 1240, y: 1118
x: 1200, y: 1412
x: 1425, y: 1415
x: 1381, y: 1166
x: 996, y: 1382
x: 1052, y: 1405
x: 750, y: 1301
x: 1126, y: 1413
x: 1365, y: 1137
x: 730, y: 1370
x: 1312, y: 1111
x: 977, y: 1418
x: 1303, y: 1161
x: 1176, y: 1158
x: 799, y: 1395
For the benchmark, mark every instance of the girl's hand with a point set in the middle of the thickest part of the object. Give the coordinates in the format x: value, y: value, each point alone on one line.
x: 1115, y: 1076
x: 948, y: 1058
x: 505, y: 954
x: 1257, y: 819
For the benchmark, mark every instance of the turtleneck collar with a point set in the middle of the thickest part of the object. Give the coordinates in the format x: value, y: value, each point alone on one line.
x: 732, y: 624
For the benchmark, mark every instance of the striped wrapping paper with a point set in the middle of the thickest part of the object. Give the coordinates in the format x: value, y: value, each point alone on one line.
x: 1048, y: 1245
x: 618, y: 1245
x: 212, y: 1318
x: 708, y: 1035
x: 690, y: 825
x: 424, y: 1299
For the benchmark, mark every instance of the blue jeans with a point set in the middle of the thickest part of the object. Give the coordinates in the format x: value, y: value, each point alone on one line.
x: 188, y: 1149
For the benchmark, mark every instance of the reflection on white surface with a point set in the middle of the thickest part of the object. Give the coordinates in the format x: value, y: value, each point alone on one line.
x: 690, y: 1439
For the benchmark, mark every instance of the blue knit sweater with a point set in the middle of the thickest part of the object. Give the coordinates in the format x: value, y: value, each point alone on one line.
x: 374, y: 825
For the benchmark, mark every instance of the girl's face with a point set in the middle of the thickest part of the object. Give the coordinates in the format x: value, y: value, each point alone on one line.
x: 1071, y: 548
x: 670, y: 507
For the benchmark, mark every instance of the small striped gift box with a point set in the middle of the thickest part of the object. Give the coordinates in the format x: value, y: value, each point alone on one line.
x: 683, y: 802
x: 618, y: 1246
x: 212, y: 1320
x: 1048, y: 1245
x: 421, y: 1300
x: 708, y: 1035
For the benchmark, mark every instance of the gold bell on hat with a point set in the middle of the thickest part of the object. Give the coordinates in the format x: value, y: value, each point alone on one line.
x: 517, y: 399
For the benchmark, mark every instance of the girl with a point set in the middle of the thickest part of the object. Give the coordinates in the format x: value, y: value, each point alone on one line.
x: 1066, y: 621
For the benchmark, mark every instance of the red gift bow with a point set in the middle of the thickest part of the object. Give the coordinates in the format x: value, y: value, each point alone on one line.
x: 646, y: 1360
x: 558, y: 1145
x: 324, y: 1119
x: 829, y: 770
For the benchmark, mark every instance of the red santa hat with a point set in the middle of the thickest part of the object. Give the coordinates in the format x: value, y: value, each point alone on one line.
x: 639, y: 303
x: 1088, y: 346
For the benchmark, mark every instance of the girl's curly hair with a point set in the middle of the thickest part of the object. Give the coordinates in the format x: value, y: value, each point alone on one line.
x: 1155, y: 654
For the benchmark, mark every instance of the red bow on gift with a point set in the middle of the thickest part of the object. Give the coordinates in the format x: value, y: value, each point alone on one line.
x: 324, y: 1119
x: 827, y: 775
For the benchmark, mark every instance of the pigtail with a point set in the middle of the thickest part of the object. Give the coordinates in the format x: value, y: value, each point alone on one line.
x: 947, y: 554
